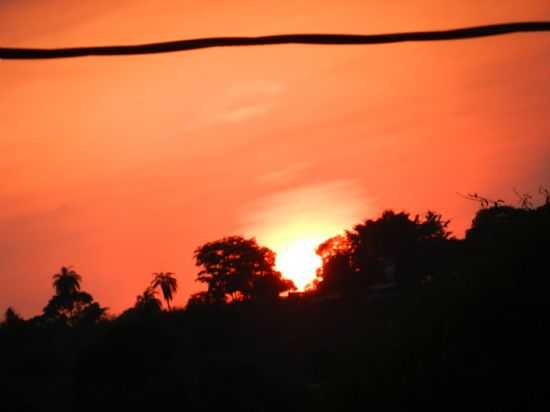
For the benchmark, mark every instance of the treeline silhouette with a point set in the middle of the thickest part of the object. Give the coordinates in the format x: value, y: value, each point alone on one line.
x: 402, y: 315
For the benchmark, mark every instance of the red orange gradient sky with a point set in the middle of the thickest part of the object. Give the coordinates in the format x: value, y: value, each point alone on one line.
x: 122, y: 166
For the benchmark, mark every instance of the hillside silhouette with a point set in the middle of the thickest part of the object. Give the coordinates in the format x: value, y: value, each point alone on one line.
x: 402, y: 315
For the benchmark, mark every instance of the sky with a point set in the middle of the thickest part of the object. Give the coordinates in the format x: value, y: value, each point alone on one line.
x: 123, y: 166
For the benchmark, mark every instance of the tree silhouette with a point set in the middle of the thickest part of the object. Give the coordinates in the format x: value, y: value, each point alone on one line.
x: 235, y: 268
x: 167, y: 283
x: 336, y: 273
x: 199, y: 299
x: 269, y: 286
x: 12, y: 318
x: 397, y: 244
x: 148, y: 302
x: 70, y: 305
x: 333, y: 246
x: 67, y: 281
x: 394, y: 247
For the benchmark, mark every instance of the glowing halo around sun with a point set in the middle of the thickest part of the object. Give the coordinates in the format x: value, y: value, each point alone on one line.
x: 298, y: 261
x: 294, y: 222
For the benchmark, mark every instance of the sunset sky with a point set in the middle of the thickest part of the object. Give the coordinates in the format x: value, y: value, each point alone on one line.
x: 122, y: 166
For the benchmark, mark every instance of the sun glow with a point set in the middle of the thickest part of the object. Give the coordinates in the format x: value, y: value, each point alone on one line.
x: 298, y: 261
x: 294, y: 222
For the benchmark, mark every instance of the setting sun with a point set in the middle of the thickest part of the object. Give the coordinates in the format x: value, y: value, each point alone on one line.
x: 294, y: 222
x: 299, y: 262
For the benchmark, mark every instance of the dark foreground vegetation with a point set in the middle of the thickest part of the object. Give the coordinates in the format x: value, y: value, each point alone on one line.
x: 403, y: 316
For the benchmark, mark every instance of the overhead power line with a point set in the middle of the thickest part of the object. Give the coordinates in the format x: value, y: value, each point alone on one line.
x: 320, y: 39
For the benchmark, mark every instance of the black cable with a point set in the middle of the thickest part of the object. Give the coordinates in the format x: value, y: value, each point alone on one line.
x: 326, y: 39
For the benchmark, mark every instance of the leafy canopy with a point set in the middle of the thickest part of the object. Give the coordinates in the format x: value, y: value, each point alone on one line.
x: 235, y: 268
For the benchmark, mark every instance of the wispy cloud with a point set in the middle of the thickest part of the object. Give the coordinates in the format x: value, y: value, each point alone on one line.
x: 285, y: 174
x: 243, y: 101
x: 239, y: 102
x: 244, y: 113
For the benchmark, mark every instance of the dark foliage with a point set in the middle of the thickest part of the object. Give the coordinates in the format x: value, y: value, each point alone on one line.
x: 70, y: 306
x: 238, y: 269
x: 461, y: 326
x: 148, y: 302
x: 167, y: 283
x: 392, y: 249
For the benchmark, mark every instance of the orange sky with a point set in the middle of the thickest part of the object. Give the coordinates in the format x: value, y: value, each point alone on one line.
x: 122, y: 166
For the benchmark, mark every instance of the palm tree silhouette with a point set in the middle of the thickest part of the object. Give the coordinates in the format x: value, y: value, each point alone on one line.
x: 66, y: 282
x: 167, y: 283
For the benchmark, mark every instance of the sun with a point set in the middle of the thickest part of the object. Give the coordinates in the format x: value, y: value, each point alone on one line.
x: 297, y: 261
x: 294, y: 222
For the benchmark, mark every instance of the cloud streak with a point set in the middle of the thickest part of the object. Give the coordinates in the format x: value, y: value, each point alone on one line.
x: 244, y: 113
